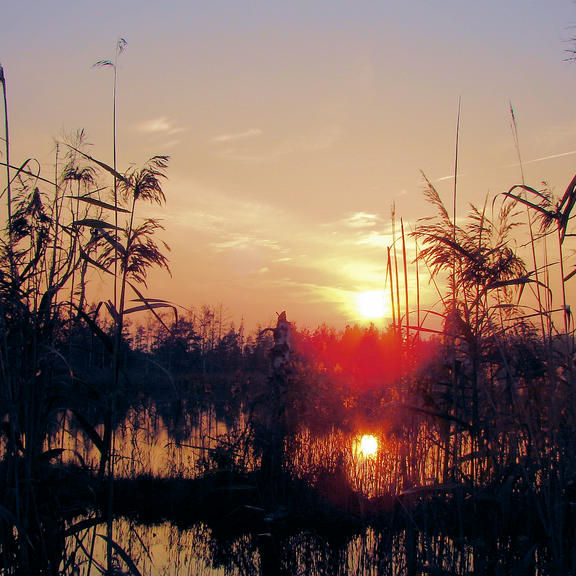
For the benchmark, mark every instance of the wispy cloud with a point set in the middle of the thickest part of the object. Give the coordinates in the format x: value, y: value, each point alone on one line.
x: 235, y: 136
x: 362, y: 229
x: 160, y: 125
x: 449, y: 177
x: 543, y: 158
x: 240, y: 241
x: 276, y: 149
x: 321, y: 140
x: 376, y: 239
x: 326, y: 263
x: 362, y: 220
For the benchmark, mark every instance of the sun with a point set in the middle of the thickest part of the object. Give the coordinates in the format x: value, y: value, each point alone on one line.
x: 367, y: 445
x: 371, y: 304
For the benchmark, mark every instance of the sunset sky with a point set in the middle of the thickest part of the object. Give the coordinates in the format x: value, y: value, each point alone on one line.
x: 293, y: 127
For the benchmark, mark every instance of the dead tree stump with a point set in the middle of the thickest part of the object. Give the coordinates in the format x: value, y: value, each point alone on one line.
x: 273, y: 462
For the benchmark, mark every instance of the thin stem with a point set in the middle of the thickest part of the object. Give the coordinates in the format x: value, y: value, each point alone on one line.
x: 56, y: 215
x: 393, y: 307
x: 115, y: 166
x: 454, y: 200
x: 120, y: 45
x: 530, y: 223
x: 517, y: 142
x: 563, y: 284
x: 8, y: 175
x: 405, y: 280
x: 416, y: 262
x: 396, y: 268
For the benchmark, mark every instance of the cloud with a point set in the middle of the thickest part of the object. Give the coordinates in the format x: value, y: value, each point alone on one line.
x: 377, y: 240
x: 274, y: 150
x: 362, y: 220
x: 232, y: 137
x: 449, y: 177
x: 551, y: 157
x: 321, y: 140
x: 160, y: 125
x: 227, y: 223
x: 239, y: 241
x: 361, y: 229
x: 325, y: 262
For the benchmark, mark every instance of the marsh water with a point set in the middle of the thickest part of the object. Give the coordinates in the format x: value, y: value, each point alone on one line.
x: 164, y: 549
x: 153, y: 442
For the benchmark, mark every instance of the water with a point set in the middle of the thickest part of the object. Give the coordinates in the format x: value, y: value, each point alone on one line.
x: 166, y: 550
x: 192, y: 443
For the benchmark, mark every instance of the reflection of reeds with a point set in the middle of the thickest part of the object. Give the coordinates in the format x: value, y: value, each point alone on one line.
x: 384, y: 549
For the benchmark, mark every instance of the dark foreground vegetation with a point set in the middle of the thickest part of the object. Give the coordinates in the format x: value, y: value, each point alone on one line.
x: 475, y: 417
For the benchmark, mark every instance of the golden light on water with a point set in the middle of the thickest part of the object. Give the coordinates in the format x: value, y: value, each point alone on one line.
x: 371, y: 304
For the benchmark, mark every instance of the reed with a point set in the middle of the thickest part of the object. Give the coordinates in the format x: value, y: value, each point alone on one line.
x: 56, y: 232
x: 530, y: 221
x: 113, y: 64
x: 396, y: 277
x: 406, y: 289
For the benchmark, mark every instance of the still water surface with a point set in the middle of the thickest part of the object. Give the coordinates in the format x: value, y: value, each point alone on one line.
x: 150, y: 443
x: 165, y: 550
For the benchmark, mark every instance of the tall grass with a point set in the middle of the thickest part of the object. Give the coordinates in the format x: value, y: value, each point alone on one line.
x: 58, y: 232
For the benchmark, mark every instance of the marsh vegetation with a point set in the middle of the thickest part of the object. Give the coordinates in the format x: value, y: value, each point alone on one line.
x: 138, y: 437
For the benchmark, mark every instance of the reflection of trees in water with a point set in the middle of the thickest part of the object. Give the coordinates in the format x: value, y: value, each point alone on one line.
x: 164, y: 549
x: 419, y: 535
x: 166, y: 439
x: 160, y: 549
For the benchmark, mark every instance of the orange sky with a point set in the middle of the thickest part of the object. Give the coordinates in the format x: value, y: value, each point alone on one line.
x: 293, y: 127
